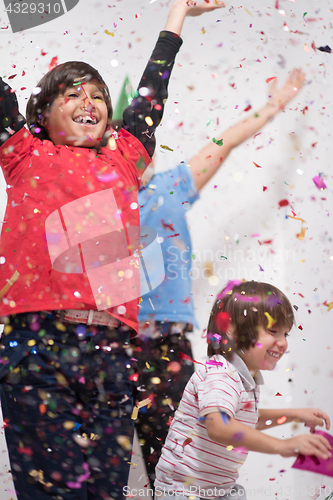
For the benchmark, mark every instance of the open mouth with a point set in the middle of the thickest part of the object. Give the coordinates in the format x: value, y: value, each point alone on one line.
x: 274, y: 354
x: 86, y: 120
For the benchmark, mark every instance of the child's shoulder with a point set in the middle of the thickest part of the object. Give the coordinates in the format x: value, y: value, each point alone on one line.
x: 217, y: 365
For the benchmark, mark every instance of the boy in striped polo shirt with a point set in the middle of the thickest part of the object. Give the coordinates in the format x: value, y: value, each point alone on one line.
x: 218, y: 420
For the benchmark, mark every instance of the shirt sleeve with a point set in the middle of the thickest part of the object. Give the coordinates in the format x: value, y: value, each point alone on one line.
x: 187, y: 187
x: 11, y: 120
x: 221, y: 392
x: 145, y: 112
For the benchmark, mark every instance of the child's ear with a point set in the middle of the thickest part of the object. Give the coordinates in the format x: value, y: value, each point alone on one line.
x: 43, y: 121
x: 231, y: 333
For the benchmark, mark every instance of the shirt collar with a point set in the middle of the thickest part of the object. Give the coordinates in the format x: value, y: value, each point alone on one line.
x: 248, y: 381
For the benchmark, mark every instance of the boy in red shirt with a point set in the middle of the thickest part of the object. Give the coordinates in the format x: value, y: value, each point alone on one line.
x: 72, y: 216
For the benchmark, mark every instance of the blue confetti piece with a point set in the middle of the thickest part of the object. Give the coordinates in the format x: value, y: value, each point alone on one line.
x: 225, y: 417
x: 77, y: 426
x: 13, y: 343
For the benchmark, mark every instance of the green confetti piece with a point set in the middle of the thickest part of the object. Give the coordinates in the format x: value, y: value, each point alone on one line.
x: 166, y: 148
x: 305, y: 13
x: 219, y: 143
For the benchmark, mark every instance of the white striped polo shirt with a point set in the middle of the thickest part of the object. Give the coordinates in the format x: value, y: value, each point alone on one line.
x: 191, y: 463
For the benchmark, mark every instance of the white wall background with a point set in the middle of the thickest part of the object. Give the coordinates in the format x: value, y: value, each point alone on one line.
x: 244, y: 45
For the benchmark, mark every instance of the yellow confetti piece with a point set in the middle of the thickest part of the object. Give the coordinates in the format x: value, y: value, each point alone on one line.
x: 112, y: 143
x: 60, y: 326
x: 7, y: 329
x: 141, y: 404
x: 248, y: 12
x: 230, y: 447
x: 149, y: 121
x: 108, y: 33
x: 31, y: 342
x: 203, y: 31
x: 124, y: 442
x: 10, y: 283
x: 271, y: 320
x: 144, y: 402
x: 166, y: 359
x: 131, y: 463
x: 155, y: 380
x: 61, y: 379
x: 135, y: 413
x: 68, y: 425
x: 301, y: 235
x: 166, y: 148
x: 330, y: 305
x: 296, y: 218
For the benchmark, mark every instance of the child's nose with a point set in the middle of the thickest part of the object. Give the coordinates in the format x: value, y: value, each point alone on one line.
x: 282, y: 342
x: 87, y: 104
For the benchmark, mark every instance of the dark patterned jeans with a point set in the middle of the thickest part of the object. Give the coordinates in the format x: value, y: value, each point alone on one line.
x: 67, y: 399
x: 164, y: 376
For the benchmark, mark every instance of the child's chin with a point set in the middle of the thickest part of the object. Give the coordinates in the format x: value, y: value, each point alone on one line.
x: 265, y: 365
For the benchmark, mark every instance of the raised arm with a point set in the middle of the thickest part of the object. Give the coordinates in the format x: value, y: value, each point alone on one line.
x: 205, y: 164
x: 239, y: 435
x: 146, y: 110
x: 11, y: 120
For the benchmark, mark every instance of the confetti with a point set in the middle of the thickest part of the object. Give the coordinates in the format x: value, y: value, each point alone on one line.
x: 186, y: 442
x: 108, y: 33
x: 214, y: 363
x: 319, y: 182
x: 256, y: 165
x: 166, y: 148
x: 186, y: 357
x: 281, y: 420
x: 270, y: 79
x: 271, y: 320
x: 53, y: 63
x: 325, y: 49
x: 223, y: 321
x: 218, y: 142
x: 225, y: 417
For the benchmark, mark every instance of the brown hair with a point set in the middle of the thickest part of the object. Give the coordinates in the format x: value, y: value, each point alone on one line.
x: 55, y: 83
x: 246, y: 305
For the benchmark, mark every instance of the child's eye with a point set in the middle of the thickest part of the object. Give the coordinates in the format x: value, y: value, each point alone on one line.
x: 273, y: 332
x: 72, y: 94
x: 98, y: 97
x: 286, y: 335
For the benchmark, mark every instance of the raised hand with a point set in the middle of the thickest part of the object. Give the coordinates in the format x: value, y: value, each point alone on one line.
x: 278, y: 98
x: 198, y: 8
x: 184, y: 8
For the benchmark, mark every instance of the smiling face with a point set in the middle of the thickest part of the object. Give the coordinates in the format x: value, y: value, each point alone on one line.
x: 78, y: 117
x: 270, y: 347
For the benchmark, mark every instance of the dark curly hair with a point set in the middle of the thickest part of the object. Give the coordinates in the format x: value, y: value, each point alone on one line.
x: 55, y: 83
x: 246, y: 306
